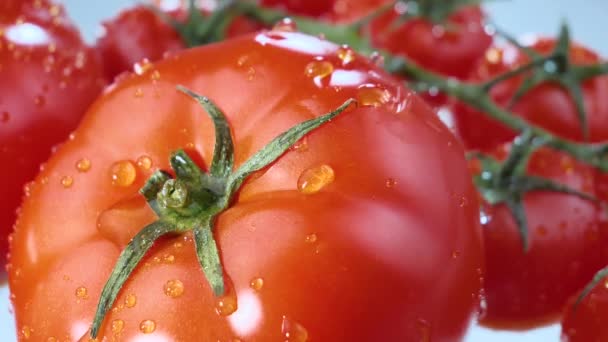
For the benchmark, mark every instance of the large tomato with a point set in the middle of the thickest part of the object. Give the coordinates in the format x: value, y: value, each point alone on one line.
x: 548, y: 104
x: 49, y: 78
x: 528, y: 288
x: 367, y: 229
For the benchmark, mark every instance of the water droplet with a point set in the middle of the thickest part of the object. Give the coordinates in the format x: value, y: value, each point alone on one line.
x: 174, y: 288
x: 117, y: 326
x: 178, y: 245
x: 147, y: 326
x: 315, y: 179
x: 130, y: 300
x: 455, y: 254
x: 67, y: 181
x: 541, y: 230
x: 301, y: 145
x: 226, y: 305
x: 242, y: 60
x: 462, y: 202
x: 142, y: 67
x: 390, y: 182
x: 144, y: 162
x: 51, y: 339
x: 26, y: 332
x: 82, y: 292
x: 370, y: 95
x: 285, y: 25
x: 319, y: 69
x: 123, y: 173
x: 256, y: 283
x: 250, y: 74
x: 346, y: 54
x: 438, y: 31
x: 83, y: 165
x: 39, y: 100
x: 293, y: 331
x: 5, y: 117
x: 155, y: 76
x: 169, y: 258
x: 494, y: 56
x: 311, y: 238
x: 377, y: 59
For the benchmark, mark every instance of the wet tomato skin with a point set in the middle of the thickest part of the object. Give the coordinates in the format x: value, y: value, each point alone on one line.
x: 366, y: 253
x: 526, y: 289
x: 49, y: 79
x: 586, y: 321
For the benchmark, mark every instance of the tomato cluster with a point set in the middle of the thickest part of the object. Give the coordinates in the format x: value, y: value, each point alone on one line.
x: 274, y: 185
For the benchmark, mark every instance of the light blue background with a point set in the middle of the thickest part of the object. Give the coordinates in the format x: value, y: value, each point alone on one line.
x: 589, y: 23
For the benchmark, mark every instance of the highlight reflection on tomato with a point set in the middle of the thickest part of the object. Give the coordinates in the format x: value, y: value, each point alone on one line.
x: 363, y: 255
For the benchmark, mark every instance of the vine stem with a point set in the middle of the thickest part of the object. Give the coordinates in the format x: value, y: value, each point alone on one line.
x: 476, y: 96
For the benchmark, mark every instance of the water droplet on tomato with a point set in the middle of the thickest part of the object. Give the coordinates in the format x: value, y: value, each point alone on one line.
x: 438, y: 31
x: 155, y: 76
x: 301, y: 145
x: 377, y: 59
x: 494, y: 56
x: 82, y: 292
x: 390, y: 182
x: 67, y: 181
x: 117, y: 326
x: 26, y: 332
x: 285, y: 25
x: 51, y: 339
x: 319, y: 69
x: 147, y: 326
x: 455, y: 254
x: 174, y: 288
x: 462, y: 202
x: 5, y: 117
x: 131, y: 300
x: 139, y: 92
x: 123, y: 173
x: 39, y: 100
x: 142, y: 67
x: 226, y: 305
x: 541, y: 230
x: 346, y: 55
x: 315, y: 179
x: 250, y: 74
x: 169, y: 258
x: 256, y: 284
x: 83, y: 165
x: 311, y: 238
x: 370, y: 95
x: 293, y: 331
x: 144, y: 162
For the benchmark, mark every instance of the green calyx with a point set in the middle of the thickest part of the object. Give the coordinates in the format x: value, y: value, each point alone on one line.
x: 193, y: 198
x: 507, y: 182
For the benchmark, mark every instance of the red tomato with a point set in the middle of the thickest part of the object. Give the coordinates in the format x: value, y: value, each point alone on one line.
x: 452, y: 48
x: 525, y: 289
x: 298, y: 264
x: 136, y: 33
x: 312, y: 8
x: 586, y: 322
x: 49, y: 79
x: 548, y: 105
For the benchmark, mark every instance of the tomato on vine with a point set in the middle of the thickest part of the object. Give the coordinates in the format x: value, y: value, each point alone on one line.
x: 295, y: 216
x: 49, y: 78
x: 558, y: 96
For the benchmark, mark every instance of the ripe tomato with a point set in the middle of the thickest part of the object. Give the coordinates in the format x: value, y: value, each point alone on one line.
x: 586, y: 322
x: 452, y: 48
x: 548, y: 105
x: 528, y: 288
x: 311, y: 8
x: 362, y: 256
x: 135, y: 34
x: 49, y: 79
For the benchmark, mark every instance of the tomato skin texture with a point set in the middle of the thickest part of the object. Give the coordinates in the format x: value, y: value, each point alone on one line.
x: 135, y: 34
x: 311, y: 8
x: 587, y: 322
x: 382, y: 266
x: 49, y: 80
x: 547, y: 105
x: 527, y: 289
